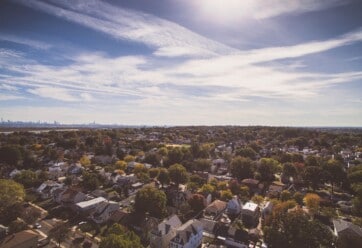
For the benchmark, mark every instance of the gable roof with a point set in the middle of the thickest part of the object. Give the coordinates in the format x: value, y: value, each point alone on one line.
x: 18, y: 239
x: 166, y: 225
x: 185, y: 231
x: 342, y: 225
x: 216, y: 206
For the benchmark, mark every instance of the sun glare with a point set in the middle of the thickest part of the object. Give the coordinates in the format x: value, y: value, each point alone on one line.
x: 222, y: 11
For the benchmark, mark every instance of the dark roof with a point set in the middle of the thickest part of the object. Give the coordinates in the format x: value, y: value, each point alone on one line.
x: 19, y: 238
x: 342, y: 225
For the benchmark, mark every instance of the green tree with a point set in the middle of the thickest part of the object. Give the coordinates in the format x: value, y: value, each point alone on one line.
x: 267, y: 168
x: 11, y: 192
x: 285, y: 195
x: 120, y: 237
x: 90, y: 181
x: 336, y: 173
x: 202, y: 165
x: 163, y: 176
x: 313, y: 176
x: 27, y: 178
x: 294, y: 229
x: 60, y: 232
x: 10, y: 155
x: 178, y: 174
x: 226, y: 195
x: 242, y: 168
x: 154, y: 172
x: 151, y: 200
x: 207, y: 189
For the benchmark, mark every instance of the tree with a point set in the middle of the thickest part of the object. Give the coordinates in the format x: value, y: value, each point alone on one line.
x: 85, y: 161
x: 336, y: 174
x: 154, y: 172
x: 151, y: 200
x: 226, y: 195
x: 10, y: 155
x: 294, y: 229
x: 312, y: 201
x: 90, y: 181
x: 121, y: 165
x: 246, y: 152
x: 285, y: 195
x: 196, y: 202
x: 313, y: 176
x: 242, y: 168
x: 267, y: 168
x: 27, y: 178
x: 120, y: 237
x: 30, y: 215
x: 202, y: 164
x: 11, y: 192
x: 60, y: 232
x: 163, y: 176
x: 207, y: 189
x: 178, y: 174
x: 258, y: 199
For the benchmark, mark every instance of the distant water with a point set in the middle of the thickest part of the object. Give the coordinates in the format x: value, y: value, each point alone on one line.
x: 40, y: 131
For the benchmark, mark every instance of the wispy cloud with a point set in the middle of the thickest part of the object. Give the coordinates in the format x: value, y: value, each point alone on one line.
x: 239, y: 10
x: 54, y: 93
x: 24, y: 41
x: 126, y: 24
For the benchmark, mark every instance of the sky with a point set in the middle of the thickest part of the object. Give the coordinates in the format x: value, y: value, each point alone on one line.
x: 182, y: 62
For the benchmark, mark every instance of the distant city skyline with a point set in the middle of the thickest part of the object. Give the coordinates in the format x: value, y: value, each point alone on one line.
x: 182, y: 62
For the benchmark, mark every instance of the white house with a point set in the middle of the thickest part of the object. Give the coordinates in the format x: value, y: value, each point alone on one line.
x: 250, y: 213
x: 90, y: 204
x: 161, y: 236
x: 46, y: 189
x: 189, y: 235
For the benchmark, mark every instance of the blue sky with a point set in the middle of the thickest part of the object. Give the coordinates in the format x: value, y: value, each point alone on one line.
x: 182, y: 62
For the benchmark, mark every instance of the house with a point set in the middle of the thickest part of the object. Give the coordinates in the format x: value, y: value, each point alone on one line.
x: 161, y: 236
x: 69, y: 197
x: 250, y: 214
x: 87, y: 206
x: 23, y: 239
x: 234, y: 206
x: 219, y: 166
x: 267, y: 209
x: 254, y: 185
x: 348, y: 232
x: 56, y: 169
x: 14, y: 172
x: 215, y: 209
x: 104, y: 210
x: 75, y: 169
x: 189, y: 235
x: 47, y: 188
x: 275, y: 189
x: 210, y: 227
x: 3, y: 231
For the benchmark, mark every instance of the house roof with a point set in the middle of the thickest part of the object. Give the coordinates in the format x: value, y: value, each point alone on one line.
x: 165, y: 226
x: 342, y: 225
x: 185, y: 231
x: 85, y: 204
x: 250, y: 181
x: 250, y: 206
x: 15, y: 240
x: 216, y: 206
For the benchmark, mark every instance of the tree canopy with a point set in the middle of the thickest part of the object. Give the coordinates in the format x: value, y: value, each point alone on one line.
x: 151, y: 200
